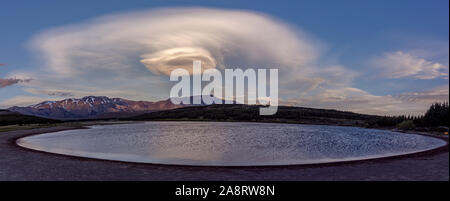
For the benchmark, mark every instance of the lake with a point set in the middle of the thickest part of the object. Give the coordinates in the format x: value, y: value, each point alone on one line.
x: 228, y: 143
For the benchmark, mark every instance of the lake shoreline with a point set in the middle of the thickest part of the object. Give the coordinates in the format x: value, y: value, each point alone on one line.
x: 231, y: 166
x: 435, y: 155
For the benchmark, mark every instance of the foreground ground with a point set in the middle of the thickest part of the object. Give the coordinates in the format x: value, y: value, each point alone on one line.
x: 17, y: 163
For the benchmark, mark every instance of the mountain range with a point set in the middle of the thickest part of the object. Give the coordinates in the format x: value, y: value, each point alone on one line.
x: 93, y: 107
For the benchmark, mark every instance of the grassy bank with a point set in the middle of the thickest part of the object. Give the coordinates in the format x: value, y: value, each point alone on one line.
x: 35, y: 126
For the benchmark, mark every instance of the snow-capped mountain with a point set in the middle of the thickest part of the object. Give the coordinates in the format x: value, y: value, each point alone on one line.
x: 93, y: 107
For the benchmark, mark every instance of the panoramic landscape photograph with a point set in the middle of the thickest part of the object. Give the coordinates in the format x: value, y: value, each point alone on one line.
x: 184, y: 91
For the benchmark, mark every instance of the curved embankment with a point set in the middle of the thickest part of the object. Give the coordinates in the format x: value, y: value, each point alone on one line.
x: 223, y: 143
x: 18, y: 163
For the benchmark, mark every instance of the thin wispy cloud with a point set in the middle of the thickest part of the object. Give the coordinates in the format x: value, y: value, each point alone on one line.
x: 4, y: 82
x: 357, y: 100
x: 402, y: 64
x: 56, y: 93
x: 438, y: 94
x: 23, y: 101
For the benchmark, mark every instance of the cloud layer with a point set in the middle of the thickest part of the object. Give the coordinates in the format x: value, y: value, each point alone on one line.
x: 148, y: 45
x: 164, y: 39
x: 438, y: 94
x: 130, y: 55
x: 4, y: 82
x: 401, y: 64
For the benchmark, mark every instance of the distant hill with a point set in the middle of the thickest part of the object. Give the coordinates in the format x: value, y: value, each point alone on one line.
x: 101, y: 107
x: 98, y: 107
x: 93, y: 107
x: 239, y: 112
x: 11, y: 118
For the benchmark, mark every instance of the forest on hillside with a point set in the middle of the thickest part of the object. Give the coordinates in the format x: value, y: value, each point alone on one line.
x: 437, y: 115
x: 14, y: 118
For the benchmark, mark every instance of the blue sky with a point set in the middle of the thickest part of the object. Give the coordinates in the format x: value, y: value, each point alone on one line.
x: 364, y: 37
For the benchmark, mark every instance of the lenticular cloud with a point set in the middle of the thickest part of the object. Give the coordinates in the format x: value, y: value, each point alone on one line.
x: 165, y: 39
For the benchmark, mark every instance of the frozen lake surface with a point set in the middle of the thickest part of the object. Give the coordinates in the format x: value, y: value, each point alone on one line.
x: 229, y: 144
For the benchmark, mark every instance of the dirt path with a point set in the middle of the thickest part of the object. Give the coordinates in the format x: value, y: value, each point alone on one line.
x: 17, y: 163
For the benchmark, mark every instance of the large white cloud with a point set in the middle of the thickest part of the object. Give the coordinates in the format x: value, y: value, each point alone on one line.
x: 164, y: 39
x: 130, y: 55
x: 115, y: 50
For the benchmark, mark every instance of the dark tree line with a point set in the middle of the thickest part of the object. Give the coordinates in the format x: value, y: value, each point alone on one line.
x: 437, y: 115
x: 250, y: 112
x: 13, y: 118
